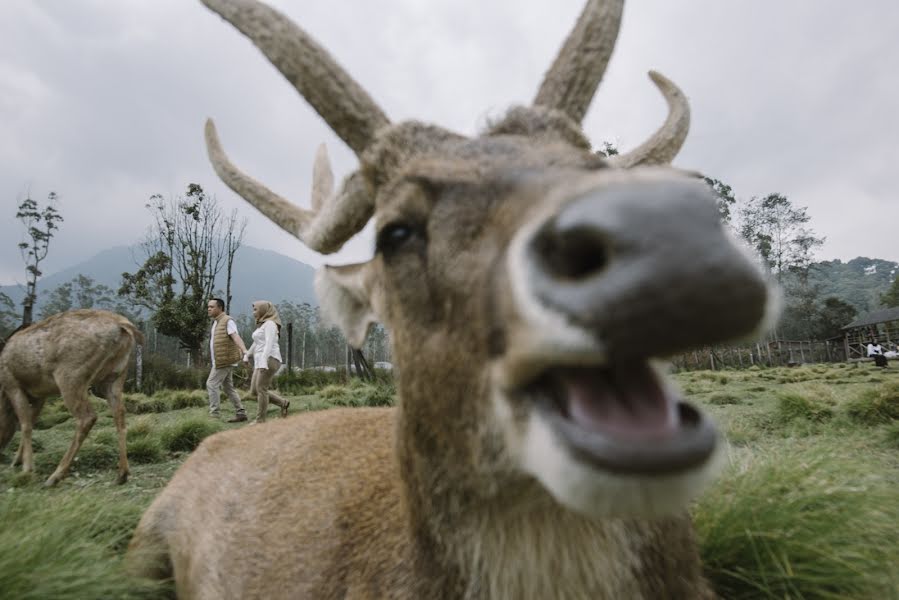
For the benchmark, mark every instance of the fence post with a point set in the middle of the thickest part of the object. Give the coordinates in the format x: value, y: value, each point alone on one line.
x: 712, y: 358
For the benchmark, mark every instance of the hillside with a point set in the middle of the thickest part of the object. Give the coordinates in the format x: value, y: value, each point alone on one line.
x: 258, y: 274
x: 860, y: 282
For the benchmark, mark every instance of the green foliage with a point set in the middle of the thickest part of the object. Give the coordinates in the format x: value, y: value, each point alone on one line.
x: 188, y: 399
x: 142, y: 404
x: 162, y: 374
x: 145, y: 450
x: 891, y: 297
x: 70, y: 547
x: 726, y: 199
x: 186, y: 435
x: 875, y: 406
x: 810, y: 524
x: 184, y: 253
x: 82, y: 292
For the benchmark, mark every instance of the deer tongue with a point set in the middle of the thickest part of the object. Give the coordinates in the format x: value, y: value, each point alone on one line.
x: 625, y: 402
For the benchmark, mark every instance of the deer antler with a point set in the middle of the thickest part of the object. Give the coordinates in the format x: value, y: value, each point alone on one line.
x: 337, y: 97
x: 334, y: 218
x: 572, y: 79
x: 664, y: 145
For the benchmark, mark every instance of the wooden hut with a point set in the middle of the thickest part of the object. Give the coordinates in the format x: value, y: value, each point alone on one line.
x: 881, y: 325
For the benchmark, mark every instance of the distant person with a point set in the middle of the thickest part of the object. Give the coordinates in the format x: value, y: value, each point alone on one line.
x: 875, y: 351
x: 266, y: 358
x: 225, y: 349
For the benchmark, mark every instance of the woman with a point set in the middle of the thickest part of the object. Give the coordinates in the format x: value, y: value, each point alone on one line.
x: 266, y: 358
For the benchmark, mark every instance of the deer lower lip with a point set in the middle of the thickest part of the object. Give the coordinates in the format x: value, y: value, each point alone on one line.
x: 622, y: 420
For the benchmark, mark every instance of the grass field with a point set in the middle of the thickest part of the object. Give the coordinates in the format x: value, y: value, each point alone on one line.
x: 807, y: 505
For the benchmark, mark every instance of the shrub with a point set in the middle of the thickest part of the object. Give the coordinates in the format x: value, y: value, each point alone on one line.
x: 138, y: 428
x: 875, y: 406
x: 145, y: 450
x: 187, y: 435
x: 800, y: 525
x: 184, y: 399
x: 159, y: 373
x: 142, y: 404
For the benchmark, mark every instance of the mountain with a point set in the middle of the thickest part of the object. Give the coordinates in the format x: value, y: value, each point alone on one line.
x: 860, y: 282
x: 257, y: 275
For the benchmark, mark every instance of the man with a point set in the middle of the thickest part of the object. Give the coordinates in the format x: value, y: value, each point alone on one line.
x: 225, y: 350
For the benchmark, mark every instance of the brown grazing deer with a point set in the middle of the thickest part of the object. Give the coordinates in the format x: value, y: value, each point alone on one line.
x: 536, y: 450
x: 66, y: 354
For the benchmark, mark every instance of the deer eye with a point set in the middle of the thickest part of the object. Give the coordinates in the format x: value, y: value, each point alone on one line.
x: 395, y: 235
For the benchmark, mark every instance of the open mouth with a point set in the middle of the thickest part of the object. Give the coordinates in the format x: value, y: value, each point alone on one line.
x: 622, y: 419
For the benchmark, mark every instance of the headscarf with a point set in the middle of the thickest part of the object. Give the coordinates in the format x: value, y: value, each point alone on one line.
x: 269, y: 313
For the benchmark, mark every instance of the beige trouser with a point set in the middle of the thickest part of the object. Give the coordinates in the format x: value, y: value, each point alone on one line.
x: 221, y: 379
x: 259, y: 384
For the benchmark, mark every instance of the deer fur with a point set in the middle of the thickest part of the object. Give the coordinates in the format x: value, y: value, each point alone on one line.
x: 66, y: 354
x: 536, y: 449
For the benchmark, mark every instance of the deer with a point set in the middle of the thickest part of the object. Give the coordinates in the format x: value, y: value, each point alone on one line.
x: 66, y: 354
x: 532, y: 290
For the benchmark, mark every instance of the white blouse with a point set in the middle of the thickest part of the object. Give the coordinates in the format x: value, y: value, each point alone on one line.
x: 265, y: 344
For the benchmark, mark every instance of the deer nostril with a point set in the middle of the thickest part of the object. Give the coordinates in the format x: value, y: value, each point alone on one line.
x: 573, y: 253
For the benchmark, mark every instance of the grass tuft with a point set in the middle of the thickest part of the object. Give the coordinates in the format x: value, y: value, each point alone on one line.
x: 795, y: 405
x: 800, y: 525
x: 145, y: 450
x: 875, y: 406
x: 186, y: 435
x: 68, y: 548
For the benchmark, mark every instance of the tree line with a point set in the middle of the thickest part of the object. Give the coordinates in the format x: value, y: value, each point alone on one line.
x: 191, y: 242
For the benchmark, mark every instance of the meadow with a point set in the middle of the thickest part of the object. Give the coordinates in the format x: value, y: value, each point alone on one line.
x: 805, y: 507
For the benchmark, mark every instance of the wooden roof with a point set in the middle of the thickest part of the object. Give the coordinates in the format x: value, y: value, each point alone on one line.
x: 884, y: 315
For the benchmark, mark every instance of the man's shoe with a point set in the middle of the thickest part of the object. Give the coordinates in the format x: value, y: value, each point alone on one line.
x: 237, y: 419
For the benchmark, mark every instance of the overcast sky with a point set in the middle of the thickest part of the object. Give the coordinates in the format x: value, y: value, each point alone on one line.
x: 104, y: 102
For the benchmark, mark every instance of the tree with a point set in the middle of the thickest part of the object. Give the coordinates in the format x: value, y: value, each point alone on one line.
x: 8, y: 315
x: 39, y: 222
x: 184, y: 253
x: 726, y: 199
x: 833, y: 316
x: 891, y: 297
x: 779, y: 233
x: 233, y: 240
x: 83, y: 292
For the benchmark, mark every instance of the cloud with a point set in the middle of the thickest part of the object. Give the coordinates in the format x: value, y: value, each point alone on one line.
x: 104, y: 103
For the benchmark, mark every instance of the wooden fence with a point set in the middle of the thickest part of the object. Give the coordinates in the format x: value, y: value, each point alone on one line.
x: 774, y: 353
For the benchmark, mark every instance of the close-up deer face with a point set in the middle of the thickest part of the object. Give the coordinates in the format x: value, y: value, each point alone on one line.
x: 529, y: 285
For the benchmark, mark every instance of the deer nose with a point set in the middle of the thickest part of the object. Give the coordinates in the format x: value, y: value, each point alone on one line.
x: 647, y: 261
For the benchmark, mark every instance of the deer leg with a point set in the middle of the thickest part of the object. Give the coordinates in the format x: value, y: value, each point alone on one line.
x: 36, y: 405
x: 8, y: 420
x: 112, y: 392
x: 75, y: 399
x: 22, y: 408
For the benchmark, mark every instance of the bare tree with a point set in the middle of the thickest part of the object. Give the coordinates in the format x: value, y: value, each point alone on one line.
x: 40, y: 223
x: 185, y: 251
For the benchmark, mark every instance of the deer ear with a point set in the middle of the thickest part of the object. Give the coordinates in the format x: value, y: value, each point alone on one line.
x: 344, y: 294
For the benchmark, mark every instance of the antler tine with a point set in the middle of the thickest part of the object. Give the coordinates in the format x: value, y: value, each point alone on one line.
x: 572, y: 79
x: 340, y: 100
x: 663, y: 146
x: 325, y: 228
